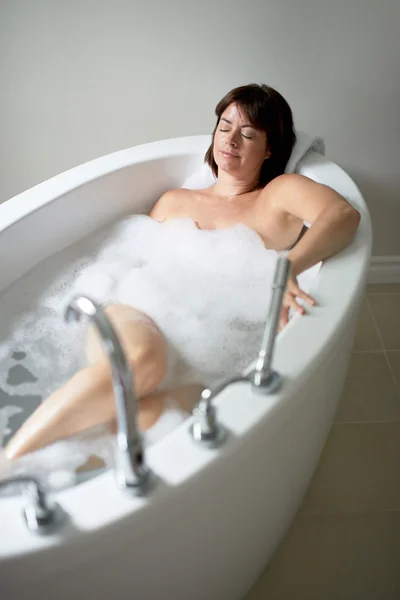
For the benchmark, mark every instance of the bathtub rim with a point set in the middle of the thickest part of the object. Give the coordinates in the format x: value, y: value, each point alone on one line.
x: 36, y: 197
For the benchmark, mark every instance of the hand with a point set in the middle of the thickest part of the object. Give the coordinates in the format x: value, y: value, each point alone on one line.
x: 289, y: 300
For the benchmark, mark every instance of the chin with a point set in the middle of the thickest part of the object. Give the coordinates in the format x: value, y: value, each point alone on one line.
x: 226, y: 164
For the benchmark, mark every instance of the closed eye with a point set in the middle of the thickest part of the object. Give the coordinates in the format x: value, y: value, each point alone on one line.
x: 248, y: 137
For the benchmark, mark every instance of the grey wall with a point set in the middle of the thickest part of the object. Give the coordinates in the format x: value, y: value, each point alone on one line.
x: 83, y: 78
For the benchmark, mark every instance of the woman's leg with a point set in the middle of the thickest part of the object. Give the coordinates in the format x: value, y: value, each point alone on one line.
x: 87, y: 400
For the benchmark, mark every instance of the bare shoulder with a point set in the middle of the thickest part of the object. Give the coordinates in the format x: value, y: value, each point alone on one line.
x: 169, y: 203
x: 290, y: 181
x: 292, y: 184
x: 303, y: 197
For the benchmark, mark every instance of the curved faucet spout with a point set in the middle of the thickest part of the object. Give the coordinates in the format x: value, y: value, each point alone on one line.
x: 131, y: 471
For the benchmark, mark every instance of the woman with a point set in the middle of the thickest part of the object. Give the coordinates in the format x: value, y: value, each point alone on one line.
x: 251, y: 145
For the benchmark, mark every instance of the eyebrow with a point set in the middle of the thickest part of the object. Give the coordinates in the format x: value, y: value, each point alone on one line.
x: 230, y: 123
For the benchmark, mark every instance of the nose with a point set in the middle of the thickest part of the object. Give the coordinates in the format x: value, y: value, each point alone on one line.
x: 231, y: 139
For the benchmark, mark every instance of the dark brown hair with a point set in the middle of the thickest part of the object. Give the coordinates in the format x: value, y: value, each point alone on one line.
x: 268, y: 111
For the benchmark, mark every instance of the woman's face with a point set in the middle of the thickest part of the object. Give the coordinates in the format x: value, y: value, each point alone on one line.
x: 238, y: 146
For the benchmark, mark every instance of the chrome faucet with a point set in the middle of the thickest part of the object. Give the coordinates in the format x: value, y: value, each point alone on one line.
x: 205, y: 429
x: 130, y: 468
x: 263, y: 378
x: 40, y: 515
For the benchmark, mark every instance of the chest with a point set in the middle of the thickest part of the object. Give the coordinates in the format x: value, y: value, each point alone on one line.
x: 274, y: 228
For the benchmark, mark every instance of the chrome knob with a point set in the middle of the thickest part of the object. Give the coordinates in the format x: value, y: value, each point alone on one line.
x: 40, y: 515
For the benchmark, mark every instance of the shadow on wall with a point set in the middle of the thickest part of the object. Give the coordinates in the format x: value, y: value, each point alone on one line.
x: 383, y: 201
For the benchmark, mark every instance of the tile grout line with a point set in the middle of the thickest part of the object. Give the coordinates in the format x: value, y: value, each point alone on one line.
x: 382, y: 293
x: 384, y: 422
x: 351, y: 512
x: 367, y: 352
x: 383, y: 346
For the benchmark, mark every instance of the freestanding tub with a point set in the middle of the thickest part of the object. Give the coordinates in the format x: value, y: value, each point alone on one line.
x: 216, y: 516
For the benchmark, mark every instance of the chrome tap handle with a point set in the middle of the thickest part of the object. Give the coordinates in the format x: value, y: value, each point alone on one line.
x: 130, y: 468
x: 40, y: 514
x: 205, y: 428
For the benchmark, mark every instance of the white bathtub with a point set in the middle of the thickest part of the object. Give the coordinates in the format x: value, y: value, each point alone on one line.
x: 216, y: 516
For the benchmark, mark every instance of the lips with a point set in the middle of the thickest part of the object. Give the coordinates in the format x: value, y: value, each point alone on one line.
x: 228, y: 154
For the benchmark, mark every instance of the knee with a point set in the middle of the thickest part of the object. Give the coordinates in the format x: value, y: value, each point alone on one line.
x: 144, y: 345
x: 149, y: 366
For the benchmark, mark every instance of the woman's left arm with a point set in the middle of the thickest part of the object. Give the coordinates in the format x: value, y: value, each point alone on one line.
x: 333, y: 223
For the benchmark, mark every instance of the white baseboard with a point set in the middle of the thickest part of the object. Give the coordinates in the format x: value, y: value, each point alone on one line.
x: 384, y: 269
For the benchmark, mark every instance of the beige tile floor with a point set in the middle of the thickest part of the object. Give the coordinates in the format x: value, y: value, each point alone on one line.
x: 344, y: 543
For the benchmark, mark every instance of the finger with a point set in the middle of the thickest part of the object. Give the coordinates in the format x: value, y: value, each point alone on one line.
x: 292, y: 303
x: 298, y: 293
x: 306, y: 297
x: 284, y: 319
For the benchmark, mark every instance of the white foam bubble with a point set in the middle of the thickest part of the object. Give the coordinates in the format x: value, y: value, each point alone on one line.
x: 208, y: 291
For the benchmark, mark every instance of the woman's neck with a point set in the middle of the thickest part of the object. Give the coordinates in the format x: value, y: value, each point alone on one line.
x: 229, y: 186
